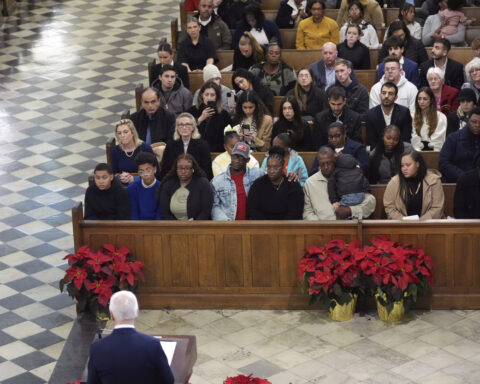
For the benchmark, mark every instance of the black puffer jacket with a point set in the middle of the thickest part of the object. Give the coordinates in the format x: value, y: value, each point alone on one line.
x: 346, y: 178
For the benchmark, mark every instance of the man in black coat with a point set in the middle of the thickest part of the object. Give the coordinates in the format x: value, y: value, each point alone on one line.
x: 337, y: 112
x: 453, y: 69
x: 388, y: 112
x: 466, y: 203
x: 153, y: 123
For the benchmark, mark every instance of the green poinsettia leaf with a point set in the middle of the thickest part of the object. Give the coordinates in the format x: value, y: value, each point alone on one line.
x: 389, y: 307
x: 337, y: 289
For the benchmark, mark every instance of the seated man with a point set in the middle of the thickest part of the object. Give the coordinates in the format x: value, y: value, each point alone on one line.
x: 459, y: 149
x: 221, y: 162
x: 153, y: 123
x: 144, y: 204
x: 231, y: 187
x: 317, y: 204
x: 458, y: 119
x: 396, y: 47
x: 356, y: 93
x: 407, y: 92
x: 213, y: 26
x: 324, y: 70
x: 453, y: 70
x: 176, y: 97
x: 106, y: 199
x: 388, y: 112
x: 316, y: 30
x: 466, y: 203
x: 127, y: 356
x: 337, y: 111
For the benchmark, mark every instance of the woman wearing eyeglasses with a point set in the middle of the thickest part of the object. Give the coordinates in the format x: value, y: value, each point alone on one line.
x: 186, y: 139
x: 273, y: 197
x: 185, y: 192
x: 123, y: 155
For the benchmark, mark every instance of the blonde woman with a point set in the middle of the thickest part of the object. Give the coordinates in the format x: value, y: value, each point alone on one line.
x: 186, y: 139
x: 429, y: 125
x: 124, y: 154
x: 247, y: 53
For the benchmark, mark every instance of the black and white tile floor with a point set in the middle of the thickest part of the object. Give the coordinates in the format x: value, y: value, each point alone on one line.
x: 67, y: 70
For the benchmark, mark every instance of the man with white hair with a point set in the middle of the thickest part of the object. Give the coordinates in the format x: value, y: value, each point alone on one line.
x: 324, y: 70
x: 127, y: 356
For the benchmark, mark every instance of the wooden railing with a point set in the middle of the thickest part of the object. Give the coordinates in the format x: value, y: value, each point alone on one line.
x: 253, y: 264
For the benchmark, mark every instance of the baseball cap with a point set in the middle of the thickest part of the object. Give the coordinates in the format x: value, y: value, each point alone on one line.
x: 241, y: 149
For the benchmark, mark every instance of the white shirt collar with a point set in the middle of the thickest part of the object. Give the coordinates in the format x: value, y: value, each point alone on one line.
x: 148, y: 186
x: 204, y: 22
x: 124, y: 326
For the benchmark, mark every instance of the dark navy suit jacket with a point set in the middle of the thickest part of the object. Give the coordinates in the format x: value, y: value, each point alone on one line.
x: 375, y: 123
x: 126, y: 357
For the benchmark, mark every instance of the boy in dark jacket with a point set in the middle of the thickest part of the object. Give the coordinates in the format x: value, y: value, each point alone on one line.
x: 106, y: 199
x: 347, y: 184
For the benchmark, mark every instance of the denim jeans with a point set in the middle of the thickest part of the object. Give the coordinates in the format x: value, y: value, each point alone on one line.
x: 352, y: 199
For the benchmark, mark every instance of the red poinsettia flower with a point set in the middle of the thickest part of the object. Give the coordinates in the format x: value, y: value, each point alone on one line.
x: 103, y: 288
x: 82, y: 253
x: 78, y: 275
x: 97, y: 260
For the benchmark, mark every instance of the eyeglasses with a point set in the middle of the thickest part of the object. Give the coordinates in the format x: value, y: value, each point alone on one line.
x: 391, y: 69
x: 186, y: 169
x: 145, y: 172
x: 181, y: 125
x: 474, y: 70
x: 336, y: 136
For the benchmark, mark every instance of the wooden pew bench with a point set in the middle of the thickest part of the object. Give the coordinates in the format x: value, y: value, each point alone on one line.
x: 253, y: 264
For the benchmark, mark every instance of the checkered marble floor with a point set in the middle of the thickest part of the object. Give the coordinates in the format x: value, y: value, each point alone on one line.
x: 67, y: 70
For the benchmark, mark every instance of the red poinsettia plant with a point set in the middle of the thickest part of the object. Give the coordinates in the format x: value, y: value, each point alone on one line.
x: 330, y: 272
x: 242, y: 379
x: 396, y: 271
x: 93, y: 277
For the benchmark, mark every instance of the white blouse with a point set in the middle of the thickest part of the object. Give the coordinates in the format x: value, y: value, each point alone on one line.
x: 435, y: 141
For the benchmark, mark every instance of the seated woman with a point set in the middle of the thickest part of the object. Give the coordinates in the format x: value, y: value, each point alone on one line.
x: 185, y: 192
x: 414, y: 191
x: 385, y: 158
x: 254, y: 21
x: 429, y: 125
x: 293, y: 161
x: 353, y: 50
x: 196, y: 50
x: 414, y: 49
x: 274, y: 73
x: 446, y: 97
x: 125, y: 152
x: 290, y: 120
x: 186, y: 139
x: 369, y: 35
x: 243, y: 80
x: 221, y: 162
x: 310, y: 99
x: 406, y: 14
x: 291, y: 13
x: 255, y: 124
x: 273, y: 197
x: 373, y: 12
x: 247, y: 53
x: 472, y: 72
x: 466, y: 203
x: 165, y: 56
x: 458, y: 119
x: 211, y: 117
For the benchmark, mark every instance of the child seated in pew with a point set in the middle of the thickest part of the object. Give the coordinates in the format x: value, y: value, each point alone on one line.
x: 143, y: 202
x: 106, y: 199
x: 347, y: 184
x: 452, y: 17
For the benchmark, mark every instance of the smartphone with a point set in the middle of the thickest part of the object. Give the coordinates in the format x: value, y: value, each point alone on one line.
x: 212, y: 104
x: 246, y: 129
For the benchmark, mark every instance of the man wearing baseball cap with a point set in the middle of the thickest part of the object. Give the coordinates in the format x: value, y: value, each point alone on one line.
x: 231, y: 187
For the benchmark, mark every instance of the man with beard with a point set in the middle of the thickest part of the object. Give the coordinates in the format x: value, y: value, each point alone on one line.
x: 388, y: 112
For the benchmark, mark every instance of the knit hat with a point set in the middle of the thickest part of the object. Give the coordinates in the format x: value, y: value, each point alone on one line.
x: 241, y: 149
x: 466, y: 94
x: 210, y: 71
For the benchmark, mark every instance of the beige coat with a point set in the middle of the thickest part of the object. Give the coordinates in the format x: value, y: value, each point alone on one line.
x: 264, y: 134
x: 373, y: 13
x: 433, y: 204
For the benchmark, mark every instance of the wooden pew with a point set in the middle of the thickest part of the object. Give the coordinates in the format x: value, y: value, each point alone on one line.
x: 391, y: 14
x: 253, y: 264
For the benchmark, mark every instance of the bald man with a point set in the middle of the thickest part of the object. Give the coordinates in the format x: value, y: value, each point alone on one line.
x: 324, y: 70
x: 316, y: 30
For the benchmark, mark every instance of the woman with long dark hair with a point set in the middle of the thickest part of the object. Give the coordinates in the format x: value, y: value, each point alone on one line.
x: 414, y: 191
x: 310, y: 99
x: 385, y: 158
x: 210, y: 115
x: 185, y: 192
x: 406, y: 14
x: 290, y: 120
x: 356, y: 12
x: 429, y: 125
x: 255, y: 124
x: 165, y: 57
x: 243, y: 80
